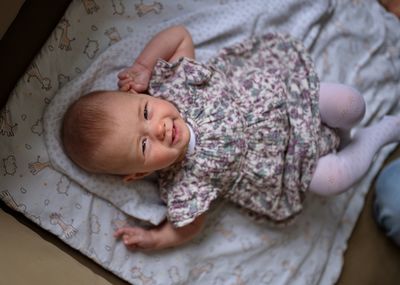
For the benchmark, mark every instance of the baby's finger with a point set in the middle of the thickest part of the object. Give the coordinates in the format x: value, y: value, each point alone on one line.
x: 124, y: 82
x: 125, y: 88
x: 123, y: 74
x: 131, y: 239
x: 119, y: 232
x: 133, y: 91
x: 125, y: 231
x: 131, y: 246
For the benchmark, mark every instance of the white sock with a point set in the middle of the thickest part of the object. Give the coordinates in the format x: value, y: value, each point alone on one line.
x: 336, y: 173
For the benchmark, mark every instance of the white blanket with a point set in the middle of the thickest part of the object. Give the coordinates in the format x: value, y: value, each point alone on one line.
x: 353, y: 42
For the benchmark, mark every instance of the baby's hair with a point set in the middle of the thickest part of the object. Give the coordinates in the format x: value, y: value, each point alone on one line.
x: 85, y: 125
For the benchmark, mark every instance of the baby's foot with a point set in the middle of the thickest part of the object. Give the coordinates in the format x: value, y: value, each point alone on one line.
x: 392, y: 124
x: 386, y: 131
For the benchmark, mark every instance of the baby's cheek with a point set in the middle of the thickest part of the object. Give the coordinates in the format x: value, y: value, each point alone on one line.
x: 160, y: 159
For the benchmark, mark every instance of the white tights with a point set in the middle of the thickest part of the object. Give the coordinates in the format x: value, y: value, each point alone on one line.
x: 342, y: 107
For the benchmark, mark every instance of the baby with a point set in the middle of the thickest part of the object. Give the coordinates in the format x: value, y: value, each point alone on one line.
x: 253, y: 125
x: 123, y: 133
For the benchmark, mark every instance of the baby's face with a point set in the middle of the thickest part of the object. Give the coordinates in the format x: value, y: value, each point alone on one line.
x: 150, y: 134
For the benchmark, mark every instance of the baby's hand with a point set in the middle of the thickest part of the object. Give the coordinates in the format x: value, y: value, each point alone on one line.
x: 135, y: 78
x: 136, y: 238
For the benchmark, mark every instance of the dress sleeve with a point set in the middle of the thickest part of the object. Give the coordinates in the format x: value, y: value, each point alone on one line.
x: 183, y: 211
x: 187, y: 197
x: 168, y: 78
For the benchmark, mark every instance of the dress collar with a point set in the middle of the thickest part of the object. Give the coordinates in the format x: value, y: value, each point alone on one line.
x: 192, y: 140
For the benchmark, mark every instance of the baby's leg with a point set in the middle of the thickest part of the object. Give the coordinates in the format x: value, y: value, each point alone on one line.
x: 341, y: 107
x: 336, y: 173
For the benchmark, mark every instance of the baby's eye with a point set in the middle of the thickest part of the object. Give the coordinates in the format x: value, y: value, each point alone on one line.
x: 144, y: 142
x: 145, y: 112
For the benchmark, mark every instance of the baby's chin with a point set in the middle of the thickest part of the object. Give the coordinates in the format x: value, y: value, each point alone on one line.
x: 182, y: 154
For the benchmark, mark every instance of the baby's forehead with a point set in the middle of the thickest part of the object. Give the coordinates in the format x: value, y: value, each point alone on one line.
x: 116, y: 98
x: 126, y: 96
x: 122, y: 108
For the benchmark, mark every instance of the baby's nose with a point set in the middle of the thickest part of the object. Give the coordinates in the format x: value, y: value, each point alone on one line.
x: 160, y: 130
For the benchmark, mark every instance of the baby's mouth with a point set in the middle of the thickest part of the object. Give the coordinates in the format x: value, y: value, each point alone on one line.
x: 174, y: 133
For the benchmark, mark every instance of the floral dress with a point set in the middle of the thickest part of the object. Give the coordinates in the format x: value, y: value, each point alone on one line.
x: 254, y: 111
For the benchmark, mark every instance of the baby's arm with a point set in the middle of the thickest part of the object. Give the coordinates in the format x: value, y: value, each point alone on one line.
x: 169, y: 44
x: 163, y: 236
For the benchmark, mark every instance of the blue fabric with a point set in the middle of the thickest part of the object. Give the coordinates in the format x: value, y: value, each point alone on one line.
x: 387, y: 200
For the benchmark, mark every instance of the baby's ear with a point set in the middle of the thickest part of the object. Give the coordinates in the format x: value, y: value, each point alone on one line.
x: 135, y: 176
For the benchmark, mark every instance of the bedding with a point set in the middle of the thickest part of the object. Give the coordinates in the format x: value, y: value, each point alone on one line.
x: 308, y: 252
x: 39, y: 18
